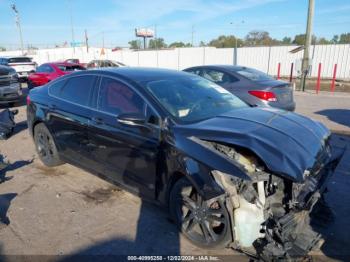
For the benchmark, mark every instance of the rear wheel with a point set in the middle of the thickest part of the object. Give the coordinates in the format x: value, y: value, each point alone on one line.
x: 204, y: 223
x: 45, y: 146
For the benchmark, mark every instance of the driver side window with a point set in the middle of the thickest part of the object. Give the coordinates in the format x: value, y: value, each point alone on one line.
x: 219, y: 77
x: 117, y: 98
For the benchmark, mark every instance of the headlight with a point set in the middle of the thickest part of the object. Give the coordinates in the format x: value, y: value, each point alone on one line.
x: 13, y: 74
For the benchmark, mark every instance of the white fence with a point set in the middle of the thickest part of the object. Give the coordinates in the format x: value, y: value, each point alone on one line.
x: 263, y: 58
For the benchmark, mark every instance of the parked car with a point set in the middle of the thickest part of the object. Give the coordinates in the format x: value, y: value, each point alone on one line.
x: 230, y: 174
x: 252, y: 86
x: 22, y: 64
x: 104, y: 63
x: 50, y: 71
x: 10, y: 88
x: 75, y: 61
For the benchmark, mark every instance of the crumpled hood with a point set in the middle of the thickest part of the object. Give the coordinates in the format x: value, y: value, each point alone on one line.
x: 288, y: 143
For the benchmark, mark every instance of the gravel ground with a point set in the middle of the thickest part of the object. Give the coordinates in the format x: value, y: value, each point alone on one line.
x: 67, y: 211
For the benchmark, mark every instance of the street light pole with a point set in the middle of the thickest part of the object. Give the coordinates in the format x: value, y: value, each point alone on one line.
x: 308, y: 38
x: 236, y: 45
x: 18, y: 23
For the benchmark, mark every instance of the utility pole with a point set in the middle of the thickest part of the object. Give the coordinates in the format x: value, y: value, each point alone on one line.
x: 71, y: 24
x: 235, y: 50
x: 308, y: 37
x: 155, y: 37
x: 18, y: 23
x: 86, y: 41
x: 192, y: 34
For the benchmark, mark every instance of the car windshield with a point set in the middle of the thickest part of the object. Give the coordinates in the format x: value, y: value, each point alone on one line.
x: 70, y: 68
x: 253, y: 74
x: 19, y: 60
x: 192, y: 99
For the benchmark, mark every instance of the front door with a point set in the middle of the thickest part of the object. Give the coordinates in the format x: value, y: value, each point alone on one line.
x: 127, y: 154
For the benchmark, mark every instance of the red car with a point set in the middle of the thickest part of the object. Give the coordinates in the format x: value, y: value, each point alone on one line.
x: 50, y: 71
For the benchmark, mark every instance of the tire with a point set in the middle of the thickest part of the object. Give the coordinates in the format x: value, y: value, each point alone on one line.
x: 205, y: 223
x: 45, y: 146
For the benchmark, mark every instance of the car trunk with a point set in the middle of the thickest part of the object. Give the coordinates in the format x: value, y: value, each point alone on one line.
x: 282, y: 90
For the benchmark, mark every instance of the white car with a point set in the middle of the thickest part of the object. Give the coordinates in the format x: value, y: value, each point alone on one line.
x: 22, y: 64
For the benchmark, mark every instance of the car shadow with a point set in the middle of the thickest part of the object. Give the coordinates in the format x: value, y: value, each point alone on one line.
x: 19, y: 127
x: 5, y: 167
x: 155, y: 234
x: 5, y: 202
x: 332, y: 220
x: 340, y: 116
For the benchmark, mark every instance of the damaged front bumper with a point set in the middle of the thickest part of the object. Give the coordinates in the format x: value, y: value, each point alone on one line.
x: 296, y: 233
x: 277, y: 227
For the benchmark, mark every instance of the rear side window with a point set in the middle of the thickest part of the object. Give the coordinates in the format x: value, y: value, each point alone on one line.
x: 219, y: 77
x: 44, y: 69
x: 117, y: 98
x: 75, y: 89
x: 253, y: 74
x: 70, y: 68
x: 195, y: 71
x: 20, y: 60
x: 56, y: 86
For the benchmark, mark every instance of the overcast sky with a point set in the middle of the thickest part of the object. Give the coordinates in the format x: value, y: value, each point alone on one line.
x: 48, y: 22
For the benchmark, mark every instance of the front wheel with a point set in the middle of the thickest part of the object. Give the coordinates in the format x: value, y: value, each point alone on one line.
x: 205, y: 223
x: 45, y: 146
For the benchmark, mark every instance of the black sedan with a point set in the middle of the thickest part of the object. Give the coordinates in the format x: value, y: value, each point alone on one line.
x: 252, y: 86
x: 231, y: 175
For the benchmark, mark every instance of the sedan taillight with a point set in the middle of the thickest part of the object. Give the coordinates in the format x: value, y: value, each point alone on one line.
x: 264, y: 95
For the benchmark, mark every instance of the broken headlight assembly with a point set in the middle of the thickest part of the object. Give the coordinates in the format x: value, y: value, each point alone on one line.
x: 270, y: 215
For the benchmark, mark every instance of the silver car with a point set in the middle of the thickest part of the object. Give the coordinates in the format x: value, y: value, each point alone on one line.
x: 252, y: 86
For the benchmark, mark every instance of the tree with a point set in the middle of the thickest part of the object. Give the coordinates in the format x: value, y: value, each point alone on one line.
x: 179, y: 44
x: 258, y: 38
x: 344, y: 38
x: 157, y: 43
x: 300, y: 39
x: 225, y: 41
x: 286, y: 40
x: 2, y: 48
x: 335, y: 39
x: 201, y: 43
x: 135, y: 44
x: 322, y: 41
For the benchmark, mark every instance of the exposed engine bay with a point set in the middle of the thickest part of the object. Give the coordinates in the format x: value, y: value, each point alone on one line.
x: 271, y: 215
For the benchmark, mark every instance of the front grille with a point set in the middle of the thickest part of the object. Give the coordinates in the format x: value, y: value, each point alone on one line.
x: 7, y: 80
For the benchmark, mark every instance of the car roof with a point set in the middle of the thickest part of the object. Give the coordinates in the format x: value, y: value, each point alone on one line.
x: 139, y: 74
x: 224, y: 67
x: 8, y: 57
x: 61, y: 64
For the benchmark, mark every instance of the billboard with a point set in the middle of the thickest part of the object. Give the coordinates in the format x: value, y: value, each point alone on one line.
x: 144, y: 32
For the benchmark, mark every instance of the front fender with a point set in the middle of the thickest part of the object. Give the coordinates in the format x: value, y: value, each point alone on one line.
x: 196, y: 160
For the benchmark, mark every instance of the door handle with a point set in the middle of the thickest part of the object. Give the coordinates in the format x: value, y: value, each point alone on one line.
x: 97, y: 120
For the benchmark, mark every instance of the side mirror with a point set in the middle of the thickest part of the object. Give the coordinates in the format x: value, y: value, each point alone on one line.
x: 132, y: 119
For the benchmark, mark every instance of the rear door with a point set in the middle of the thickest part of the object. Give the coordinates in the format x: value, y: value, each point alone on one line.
x: 127, y: 154
x: 69, y: 113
